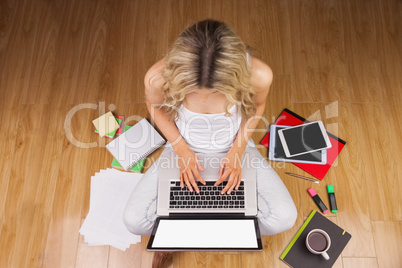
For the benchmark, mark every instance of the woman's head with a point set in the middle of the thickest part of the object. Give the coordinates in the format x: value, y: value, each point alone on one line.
x: 208, y: 55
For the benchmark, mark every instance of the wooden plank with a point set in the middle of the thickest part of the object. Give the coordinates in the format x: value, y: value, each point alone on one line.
x: 361, y: 51
x: 129, y: 258
x: 12, y: 52
x: 145, y: 53
x: 42, y: 57
x: 223, y: 260
x: 71, y: 191
x: 390, y: 42
x: 91, y: 59
x: 331, y: 53
x: 381, y: 177
x: 190, y: 259
x: 23, y: 213
x: 387, y: 237
x: 304, y: 45
x: 360, y: 262
x: 226, y: 11
x: 171, y: 23
x: 91, y: 256
x: 196, y: 10
x: 119, y: 72
x: 274, y: 17
x: 72, y: 52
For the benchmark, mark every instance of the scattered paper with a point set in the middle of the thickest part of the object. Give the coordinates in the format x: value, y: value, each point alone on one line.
x: 110, y: 190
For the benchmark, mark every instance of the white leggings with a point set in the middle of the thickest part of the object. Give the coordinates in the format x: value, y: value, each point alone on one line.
x: 276, y: 210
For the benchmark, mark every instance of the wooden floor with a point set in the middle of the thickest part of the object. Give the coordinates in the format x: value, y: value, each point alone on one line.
x: 64, y: 62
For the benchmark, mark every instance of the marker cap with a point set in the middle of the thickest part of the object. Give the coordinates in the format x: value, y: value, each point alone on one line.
x: 312, y: 192
x: 330, y: 188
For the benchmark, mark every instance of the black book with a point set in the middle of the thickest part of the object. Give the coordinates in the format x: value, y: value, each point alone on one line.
x: 297, y: 255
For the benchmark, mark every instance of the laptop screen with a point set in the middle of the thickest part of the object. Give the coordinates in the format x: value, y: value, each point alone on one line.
x: 205, y: 234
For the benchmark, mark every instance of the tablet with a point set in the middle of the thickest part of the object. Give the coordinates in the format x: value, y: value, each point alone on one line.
x: 305, y: 138
x: 276, y: 152
x: 205, y: 234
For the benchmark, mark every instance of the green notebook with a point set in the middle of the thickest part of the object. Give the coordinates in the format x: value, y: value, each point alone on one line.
x: 297, y: 255
x: 136, y: 168
x: 113, y: 133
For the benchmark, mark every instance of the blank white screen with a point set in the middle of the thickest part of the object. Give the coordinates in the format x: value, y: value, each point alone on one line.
x: 205, y: 234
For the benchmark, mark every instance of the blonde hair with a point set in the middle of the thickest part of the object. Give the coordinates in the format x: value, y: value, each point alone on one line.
x: 208, y: 55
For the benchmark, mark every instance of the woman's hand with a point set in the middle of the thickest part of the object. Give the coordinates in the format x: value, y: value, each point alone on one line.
x: 230, y: 167
x: 189, y: 166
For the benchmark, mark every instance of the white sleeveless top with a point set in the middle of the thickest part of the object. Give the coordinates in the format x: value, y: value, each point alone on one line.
x: 208, y: 133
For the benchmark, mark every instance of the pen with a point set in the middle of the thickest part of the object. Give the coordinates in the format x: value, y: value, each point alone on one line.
x: 302, y: 177
x: 317, y: 200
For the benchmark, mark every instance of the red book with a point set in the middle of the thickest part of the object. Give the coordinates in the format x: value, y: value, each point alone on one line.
x: 289, y: 118
x: 120, y: 130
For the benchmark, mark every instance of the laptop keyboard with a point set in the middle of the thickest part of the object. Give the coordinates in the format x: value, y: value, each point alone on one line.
x: 209, y: 197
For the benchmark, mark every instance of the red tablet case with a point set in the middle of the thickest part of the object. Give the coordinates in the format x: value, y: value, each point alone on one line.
x: 289, y: 118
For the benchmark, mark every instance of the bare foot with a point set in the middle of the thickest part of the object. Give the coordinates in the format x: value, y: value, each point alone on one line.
x: 160, y: 258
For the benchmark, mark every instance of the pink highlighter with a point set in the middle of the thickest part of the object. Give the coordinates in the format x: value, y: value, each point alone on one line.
x: 317, y: 200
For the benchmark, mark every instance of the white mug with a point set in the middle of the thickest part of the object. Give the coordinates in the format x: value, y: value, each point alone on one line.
x: 323, y: 252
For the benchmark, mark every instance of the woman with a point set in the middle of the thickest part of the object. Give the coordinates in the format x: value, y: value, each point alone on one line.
x: 206, y: 96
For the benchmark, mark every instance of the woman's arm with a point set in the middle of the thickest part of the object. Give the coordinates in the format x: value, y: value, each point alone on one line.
x: 154, y: 97
x: 261, y: 80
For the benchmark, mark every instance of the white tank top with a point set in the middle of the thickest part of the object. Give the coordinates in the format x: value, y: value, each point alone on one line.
x: 208, y: 133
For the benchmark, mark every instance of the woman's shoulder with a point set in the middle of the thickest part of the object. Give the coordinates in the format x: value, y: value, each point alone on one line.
x: 154, y: 78
x: 154, y: 82
x: 261, y: 75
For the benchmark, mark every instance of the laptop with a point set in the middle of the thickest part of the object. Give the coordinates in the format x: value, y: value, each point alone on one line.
x: 208, y: 221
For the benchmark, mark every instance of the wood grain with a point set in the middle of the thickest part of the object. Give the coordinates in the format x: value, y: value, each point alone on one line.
x: 223, y: 260
x: 304, y: 45
x: 361, y: 51
x: 360, y: 262
x: 337, y: 61
x: 88, y: 256
x: 379, y: 164
x: 331, y: 55
x: 387, y: 237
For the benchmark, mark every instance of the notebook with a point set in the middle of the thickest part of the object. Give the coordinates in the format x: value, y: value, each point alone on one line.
x: 135, y: 144
x: 137, y: 167
x: 297, y: 255
x: 290, y: 118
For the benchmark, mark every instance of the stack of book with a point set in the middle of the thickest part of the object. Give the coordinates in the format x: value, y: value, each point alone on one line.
x: 316, y: 163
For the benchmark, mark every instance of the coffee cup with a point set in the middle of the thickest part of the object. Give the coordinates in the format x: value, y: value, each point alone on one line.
x: 318, y: 242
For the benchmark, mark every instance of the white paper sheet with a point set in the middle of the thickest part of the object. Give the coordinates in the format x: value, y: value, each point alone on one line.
x: 110, y: 190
